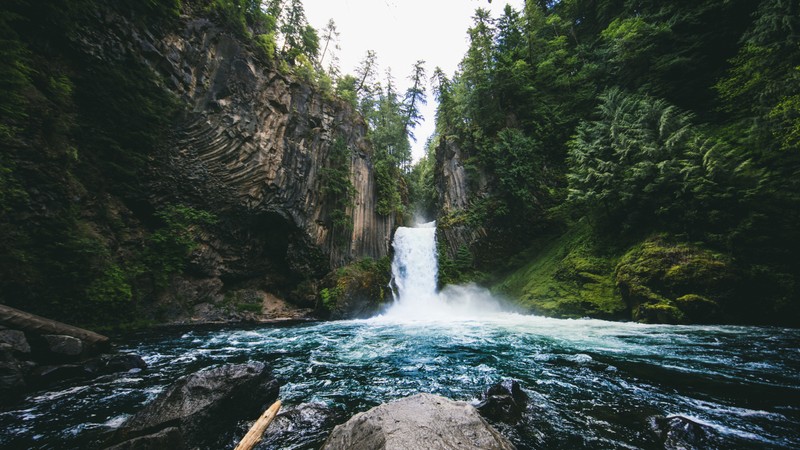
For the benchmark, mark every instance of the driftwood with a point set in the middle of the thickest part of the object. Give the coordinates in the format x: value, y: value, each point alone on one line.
x: 20, y: 320
x: 257, y: 430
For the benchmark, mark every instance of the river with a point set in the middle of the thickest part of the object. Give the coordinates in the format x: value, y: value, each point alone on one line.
x: 592, y: 384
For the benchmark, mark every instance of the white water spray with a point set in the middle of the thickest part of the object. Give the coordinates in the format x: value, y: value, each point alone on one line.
x: 415, y: 272
x: 414, y: 268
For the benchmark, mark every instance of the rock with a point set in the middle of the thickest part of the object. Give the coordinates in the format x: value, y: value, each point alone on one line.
x: 422, y: 421
x: 678, y: 433
x: 168, y: 438
x: 306, y: 424
x: 205, y: 406
x: 12, y: 375
x: 63, y: 345
x: 47, y: 375
x: 504, y: 401
x: 16, y: 339
x: 112, y: 363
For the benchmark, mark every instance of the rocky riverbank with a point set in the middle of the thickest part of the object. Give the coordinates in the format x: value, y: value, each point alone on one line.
x: 38, y: 353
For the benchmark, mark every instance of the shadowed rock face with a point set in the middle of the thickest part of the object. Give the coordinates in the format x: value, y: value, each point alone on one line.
x: 249, y: 146
x: 456, y: 192
x: 254, y: 141
x: 201, y: 409
x: 422, y: 421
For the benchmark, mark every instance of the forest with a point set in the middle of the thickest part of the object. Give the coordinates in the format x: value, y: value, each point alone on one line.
x: 636, y: 159
x: 634, y: 134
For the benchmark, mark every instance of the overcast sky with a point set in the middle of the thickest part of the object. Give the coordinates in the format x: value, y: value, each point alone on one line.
x: 402, y: 32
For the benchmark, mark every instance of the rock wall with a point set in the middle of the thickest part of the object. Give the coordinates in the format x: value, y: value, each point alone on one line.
x: 457, y: 190
x: 248, y: 146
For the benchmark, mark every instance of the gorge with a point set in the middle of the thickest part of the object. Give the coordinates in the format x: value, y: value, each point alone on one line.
x: 591, y: 383
x: 610, y: 204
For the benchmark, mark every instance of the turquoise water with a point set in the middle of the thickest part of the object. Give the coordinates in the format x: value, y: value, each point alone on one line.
x: 592, y: 383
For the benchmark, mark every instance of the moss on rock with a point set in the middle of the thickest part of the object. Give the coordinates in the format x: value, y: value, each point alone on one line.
x: 569, y: 277
x: 357, y: 290
x: 665, y: 281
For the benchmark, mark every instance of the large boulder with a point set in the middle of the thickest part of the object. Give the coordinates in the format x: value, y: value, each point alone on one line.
x: 504, y: 401
x: 205, y: 407
x: 422, y: 421
x: 305, y: 425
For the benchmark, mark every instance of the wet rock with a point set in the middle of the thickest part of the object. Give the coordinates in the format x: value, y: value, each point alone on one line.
x: 305, y: 424
x: 62, y: 345
x: 504, y: 401
x: 205, y: 406
x: 113, y: 363
x: 16, y: 339
x: 47, y: 375
x: 422, y: 421
x: 12, y: 375
x: 83, y: 370
x: 168, y: 438
x: 678, y: 433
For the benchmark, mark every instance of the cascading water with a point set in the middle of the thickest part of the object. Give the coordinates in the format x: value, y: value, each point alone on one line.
x: 415, y: 268
x: 415, y: 272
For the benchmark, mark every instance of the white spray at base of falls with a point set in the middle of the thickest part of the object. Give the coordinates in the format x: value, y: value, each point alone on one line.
x: 415, y: 273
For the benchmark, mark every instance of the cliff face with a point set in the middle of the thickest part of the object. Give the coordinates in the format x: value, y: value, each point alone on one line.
x: 247, y: 144
x: 457, y: 191
x: 250, y: 147
x: 252, y: 140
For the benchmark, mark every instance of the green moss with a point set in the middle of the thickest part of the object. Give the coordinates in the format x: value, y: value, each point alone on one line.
x: 661, y: 312
x: 569, y: 277
x: 357, y: 289
x: 658, y: 276
x: 249, y: 307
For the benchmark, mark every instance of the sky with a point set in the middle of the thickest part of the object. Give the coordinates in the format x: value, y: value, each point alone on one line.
x: 402, y: 32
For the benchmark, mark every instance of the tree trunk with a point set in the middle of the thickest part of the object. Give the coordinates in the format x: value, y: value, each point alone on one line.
x: 20, y: 320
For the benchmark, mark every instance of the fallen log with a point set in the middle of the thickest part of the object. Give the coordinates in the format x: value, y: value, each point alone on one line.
x: 27, y: 322
x: 256, y: 432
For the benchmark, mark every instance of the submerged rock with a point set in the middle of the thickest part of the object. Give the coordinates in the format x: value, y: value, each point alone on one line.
x: 504, y: 401
x: 678, y: 433
x: 422, y: 421
x: 204, y: 407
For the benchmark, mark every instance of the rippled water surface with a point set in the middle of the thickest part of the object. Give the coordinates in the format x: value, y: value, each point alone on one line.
x: 592, y: 383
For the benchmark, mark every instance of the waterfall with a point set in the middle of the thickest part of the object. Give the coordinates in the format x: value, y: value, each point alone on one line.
x: 415, y: 268
x: 414, y: 274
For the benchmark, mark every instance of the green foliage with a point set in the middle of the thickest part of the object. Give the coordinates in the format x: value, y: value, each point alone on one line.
x: 170, y: 245
x: 356, y: 289
x: 518, y: 166
x: 639, y: 155
x: 15, y: 76
x: 112, y: 286
x: 335, y: 185
x: 346, y: 88
x: 567, y: 276
x: 266, y: 44
x: 421, y: 191
x: 245, y: 17
x: 389, y: 199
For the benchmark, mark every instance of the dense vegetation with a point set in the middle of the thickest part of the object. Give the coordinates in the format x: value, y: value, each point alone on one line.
x: 644, y: 155
x: 659, y: 133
